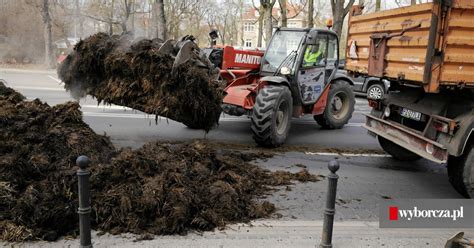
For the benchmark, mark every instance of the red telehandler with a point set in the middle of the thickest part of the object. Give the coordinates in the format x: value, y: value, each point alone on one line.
x: 272, y: 86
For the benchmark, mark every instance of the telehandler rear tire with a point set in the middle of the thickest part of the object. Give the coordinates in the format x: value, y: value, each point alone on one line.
x: 270, y: 120
x: 461, y: 172
x: 340, y: 106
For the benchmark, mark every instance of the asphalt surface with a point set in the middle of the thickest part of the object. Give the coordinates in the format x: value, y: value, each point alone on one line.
x: 128, y: 127
x: 365, y: 179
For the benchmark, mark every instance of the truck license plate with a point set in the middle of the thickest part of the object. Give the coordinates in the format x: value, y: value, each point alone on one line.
x: 411, y: 114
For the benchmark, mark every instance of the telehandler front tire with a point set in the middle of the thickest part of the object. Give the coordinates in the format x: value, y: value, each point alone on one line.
x: 271, y: 115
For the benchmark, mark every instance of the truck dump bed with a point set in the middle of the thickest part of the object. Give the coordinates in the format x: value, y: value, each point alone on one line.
x: 428, y: 44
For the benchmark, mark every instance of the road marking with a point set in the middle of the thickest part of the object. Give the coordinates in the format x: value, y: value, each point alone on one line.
x: 223, y: 119
x: 373, y: 155
x: 55, y: 79
x: 362, y: 101
x: 109, y: 115
x: 305, y: 223
x: 107, y: 107
x: 234, y: 119
x: 38, y: 88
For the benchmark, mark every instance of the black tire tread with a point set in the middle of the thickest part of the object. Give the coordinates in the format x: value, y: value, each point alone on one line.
x: 261, y: 119
x: 324, y: 120
x: 460, y: 171
x: 397, y: 152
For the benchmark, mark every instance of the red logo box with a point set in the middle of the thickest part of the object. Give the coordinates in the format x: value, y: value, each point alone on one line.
x: 393, y: 213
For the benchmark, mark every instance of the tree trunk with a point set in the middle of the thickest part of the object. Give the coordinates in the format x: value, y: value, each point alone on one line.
x: 268, y: 25
x: 339, y: 12
x: 241, y: 14
x: 123, y: 25
x: 260, y: 28
x: 111, y: 25
x: 310, y: 13
x: 76, y: 17
x: 268, y: 19
x: 283, y: 11
x: 48, y: 35
x: 413, y: 2
x: 126, y: 16
x: 378, y: 5
x: 161, y: 20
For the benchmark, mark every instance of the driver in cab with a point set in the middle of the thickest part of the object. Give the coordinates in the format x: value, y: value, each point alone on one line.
x: 312, y: 56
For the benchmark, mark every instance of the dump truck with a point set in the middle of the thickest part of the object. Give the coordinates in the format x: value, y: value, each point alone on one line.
x: 426, y: 51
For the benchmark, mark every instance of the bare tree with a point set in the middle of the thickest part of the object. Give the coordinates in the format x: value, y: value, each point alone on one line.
x: 223, y: 18
x: 127, y: 11
x: 78, y: 27
x: 160, y: 19
x: 283, y: 12
x: 311, y: 13
x: 241, y: 16
x: 267, y: 6
x: 261, y: 12
x: 378, y: 4
x: 339, y: 12
x: 413, y: 2
x: 48, y: 33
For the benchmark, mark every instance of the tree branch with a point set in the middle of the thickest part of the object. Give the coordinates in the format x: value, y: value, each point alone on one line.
x: 100, y: 19
x: 348, y: 7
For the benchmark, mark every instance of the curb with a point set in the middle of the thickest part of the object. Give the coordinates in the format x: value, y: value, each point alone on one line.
x: 27, y: 71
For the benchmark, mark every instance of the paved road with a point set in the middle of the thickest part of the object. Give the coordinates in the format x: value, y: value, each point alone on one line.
x: 364, y: 180
x: 128, y: 127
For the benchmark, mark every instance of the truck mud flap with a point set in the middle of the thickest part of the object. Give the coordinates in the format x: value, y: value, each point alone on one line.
x: 410, y: 140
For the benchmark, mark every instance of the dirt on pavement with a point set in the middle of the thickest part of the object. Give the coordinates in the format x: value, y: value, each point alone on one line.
x: 161, y: 188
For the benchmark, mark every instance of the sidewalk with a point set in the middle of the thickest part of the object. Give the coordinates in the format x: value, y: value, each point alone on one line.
x: 36, y: 71
x: 275, y: 233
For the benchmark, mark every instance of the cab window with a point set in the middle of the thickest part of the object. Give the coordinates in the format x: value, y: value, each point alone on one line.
x: 315, y: 55
x: 333, y: 52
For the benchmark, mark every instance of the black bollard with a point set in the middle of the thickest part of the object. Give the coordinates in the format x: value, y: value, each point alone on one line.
x: 84, y: 209
x: 326, y: 239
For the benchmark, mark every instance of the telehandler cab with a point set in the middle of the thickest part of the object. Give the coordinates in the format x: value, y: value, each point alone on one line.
x: 296, y: 75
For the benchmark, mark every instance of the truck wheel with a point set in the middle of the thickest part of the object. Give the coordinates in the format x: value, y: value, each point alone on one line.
x: 376, y: 91
x: 340, y: 106
x: 271, y: 116
x: 461, y: 173
x: 397, y: 152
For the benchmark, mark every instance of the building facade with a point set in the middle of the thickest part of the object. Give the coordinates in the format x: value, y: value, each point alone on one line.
x: 295, y: 15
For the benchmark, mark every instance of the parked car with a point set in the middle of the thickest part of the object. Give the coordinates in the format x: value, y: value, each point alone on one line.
x: 342, y: 64
x: 373, y: 87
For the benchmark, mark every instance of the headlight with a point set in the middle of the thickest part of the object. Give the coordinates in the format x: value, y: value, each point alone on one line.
x: 285, y: 70
x: 387, y: 112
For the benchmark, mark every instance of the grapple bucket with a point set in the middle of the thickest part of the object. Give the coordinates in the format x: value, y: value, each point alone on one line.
x: 167, y: 47
x: 185, y: 50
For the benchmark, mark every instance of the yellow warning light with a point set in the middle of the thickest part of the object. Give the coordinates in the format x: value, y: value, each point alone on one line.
x: 329, y: 23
